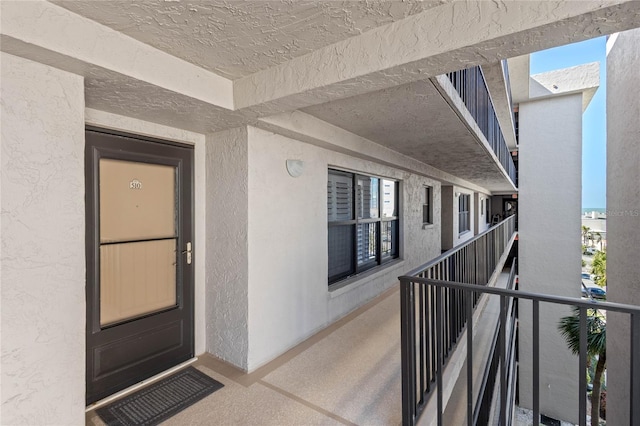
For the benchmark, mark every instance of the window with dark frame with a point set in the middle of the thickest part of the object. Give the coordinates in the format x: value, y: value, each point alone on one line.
x: 362, y: 213
x: 427, y: 206
x: 487, y: 207
x: 464, y: 224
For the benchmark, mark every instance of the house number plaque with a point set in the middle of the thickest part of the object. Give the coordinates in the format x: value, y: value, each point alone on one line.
x: 135, y: 184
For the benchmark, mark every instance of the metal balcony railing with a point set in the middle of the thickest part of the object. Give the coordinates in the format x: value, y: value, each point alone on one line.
x: 437, y: 300
x: 433, y: 319
x: 472, y: 88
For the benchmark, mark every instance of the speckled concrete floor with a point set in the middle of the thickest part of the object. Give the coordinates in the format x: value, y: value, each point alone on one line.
x: 348, y: 374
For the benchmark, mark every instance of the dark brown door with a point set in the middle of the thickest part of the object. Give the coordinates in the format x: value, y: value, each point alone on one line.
x: 139, y: 259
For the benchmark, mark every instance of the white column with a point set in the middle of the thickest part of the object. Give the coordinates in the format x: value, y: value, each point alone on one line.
x: 549, y: 244
x: 227, y: 258
x: 623, y: 218
x: 43, y: 244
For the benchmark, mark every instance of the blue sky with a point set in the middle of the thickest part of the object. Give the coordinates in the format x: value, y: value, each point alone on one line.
x: 594, y: 133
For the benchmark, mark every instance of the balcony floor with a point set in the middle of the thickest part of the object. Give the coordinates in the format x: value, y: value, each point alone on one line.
x: 348, y: 374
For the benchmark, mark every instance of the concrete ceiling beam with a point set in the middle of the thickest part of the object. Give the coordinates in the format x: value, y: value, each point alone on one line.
x: 452, y: 36
x: 52, y: 35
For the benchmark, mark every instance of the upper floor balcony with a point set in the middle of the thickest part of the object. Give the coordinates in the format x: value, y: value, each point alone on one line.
x: 448, y: 122
x: 472, y: 88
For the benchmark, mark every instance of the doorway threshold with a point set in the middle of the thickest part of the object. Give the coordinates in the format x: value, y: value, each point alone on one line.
x: 139, y: 385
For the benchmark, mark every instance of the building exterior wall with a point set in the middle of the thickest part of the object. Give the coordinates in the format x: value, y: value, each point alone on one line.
x: 43, y: 255
x: 623, y: 218
x: 549, y: 235
x: 288, y: 294
x: 267, y: 283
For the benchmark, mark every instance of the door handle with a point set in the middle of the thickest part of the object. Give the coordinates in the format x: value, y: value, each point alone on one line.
x: 188, y: 252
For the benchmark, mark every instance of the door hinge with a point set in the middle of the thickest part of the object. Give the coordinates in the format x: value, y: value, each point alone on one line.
x: 188, y: 252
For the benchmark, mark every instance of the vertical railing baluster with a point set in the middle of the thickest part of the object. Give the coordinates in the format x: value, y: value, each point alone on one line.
x: 536, y: 363
x: 502, y: 342
x: 469, y: 315
x: 421, y: 339
x: 475, y: 261
x: 582, y: 381
x: 427, y: 350
x: 433, y: 331
x: 439, y: 352
x: 634, y: 360
x: 445, y: 323
x: 461, y: 308
x: 407, y: 336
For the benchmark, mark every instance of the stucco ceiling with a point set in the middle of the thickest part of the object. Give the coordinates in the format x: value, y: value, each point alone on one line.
x: 237, y: 38
x: 360, y: 65
x: 139, y: 99
x: 414, y: 119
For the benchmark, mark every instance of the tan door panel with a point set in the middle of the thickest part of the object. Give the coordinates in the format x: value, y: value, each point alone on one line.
x: 136, y: 279
x: 137, y: 201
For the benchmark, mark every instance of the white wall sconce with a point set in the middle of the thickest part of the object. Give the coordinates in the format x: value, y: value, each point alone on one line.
x: 295, y: 168
x: 457, y: 194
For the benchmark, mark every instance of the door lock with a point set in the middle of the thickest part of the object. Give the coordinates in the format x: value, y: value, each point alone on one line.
x: 188, y: 252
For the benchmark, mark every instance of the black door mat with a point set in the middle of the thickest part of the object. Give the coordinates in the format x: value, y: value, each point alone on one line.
x: 161, y: 400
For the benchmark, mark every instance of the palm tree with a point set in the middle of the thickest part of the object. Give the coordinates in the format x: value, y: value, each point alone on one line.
x: 599, y: 268
x: 598, y: 239
x: 585, y: 234
x: 569, y: 327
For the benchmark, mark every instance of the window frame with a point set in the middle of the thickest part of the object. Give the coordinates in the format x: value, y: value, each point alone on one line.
x: 355, y: 222
x: 427, y: 205
x: 487, y: 210
x: 464, y: 213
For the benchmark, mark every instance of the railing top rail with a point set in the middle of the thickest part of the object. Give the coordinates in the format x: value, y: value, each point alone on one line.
x: 450, y: 252
x: 563, y: 300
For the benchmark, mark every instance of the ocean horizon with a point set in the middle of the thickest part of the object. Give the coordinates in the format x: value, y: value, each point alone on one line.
x: 594, y: 209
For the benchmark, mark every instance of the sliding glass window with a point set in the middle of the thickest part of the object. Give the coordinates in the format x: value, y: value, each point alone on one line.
x: 363, y: 221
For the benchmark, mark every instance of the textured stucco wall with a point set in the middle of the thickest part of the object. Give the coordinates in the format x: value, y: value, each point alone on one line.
x: 288, y: 293
x: 623, y: 219
x: 43, y: 259
x: 549, y: 250
x: 145, y: 128
x: 227, y: 261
